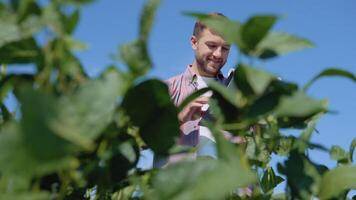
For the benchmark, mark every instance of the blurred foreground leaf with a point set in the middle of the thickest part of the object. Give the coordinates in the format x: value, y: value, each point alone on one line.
x: 18, y: 160
x: 150, y: 108
x: 336, y: 181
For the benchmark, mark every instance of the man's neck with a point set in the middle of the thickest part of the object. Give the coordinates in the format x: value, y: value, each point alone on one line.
x: 197, y: 70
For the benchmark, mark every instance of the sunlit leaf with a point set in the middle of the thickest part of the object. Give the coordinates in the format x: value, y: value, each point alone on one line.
x: 74, y: 44
x: 254, y: 30
x: 278, y: 43
x: 256, y: 79
x: 337, y: 180
x: 10, y: 31
x: 339, y: 154
x: 330, y: 72
x: 299, y: 105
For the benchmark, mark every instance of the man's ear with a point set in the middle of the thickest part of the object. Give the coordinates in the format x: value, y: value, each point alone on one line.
x: 194, y: 42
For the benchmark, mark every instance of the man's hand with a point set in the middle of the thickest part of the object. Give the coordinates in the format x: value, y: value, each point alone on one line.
x: 193, y: 111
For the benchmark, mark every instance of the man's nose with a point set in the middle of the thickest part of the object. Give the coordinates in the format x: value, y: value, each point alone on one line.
x: 217, y: 52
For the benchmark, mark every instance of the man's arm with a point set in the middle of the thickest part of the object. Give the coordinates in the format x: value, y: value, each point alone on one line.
x: 193, y: 110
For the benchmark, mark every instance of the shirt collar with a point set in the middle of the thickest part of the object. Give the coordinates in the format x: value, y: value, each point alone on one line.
x: 191, y: 77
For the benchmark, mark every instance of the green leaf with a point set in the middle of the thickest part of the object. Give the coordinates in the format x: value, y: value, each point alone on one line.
x: 305, y: 136
x: 278, y: 43
x: 352, y: 149
x: 12, y: 183
x: 337, y: 180
x: 64, y: 59
x: 124, y: 158
x: 228, y: 29
x: 10, y: 31
x: 5, y: 114
x: 53, y: 18
x: 269, y: 180
x: 12, y: 80
x: 254, y: 30
x: 147, y: 18
x: 270, y: 98
x: 256, y: 79
x: 299, y: 105
x: 339, y: 154
x: 26, y: 8
x: 135, y: 55
x: 71, y: 22
x: 200, y: 179
x: 27, y: 196
x: 257, y: 151
x: 232, y: 96
x: 303, y: 176
x: 74, y: 44
x: 16, y: 154
x: 71, y: 122
x: 84, y: 115
x: 329, y: 73
x: 226, y: 101
x: 156, y: 117
x: 191, y: 97
x: 20, y: 52
x: 77, y: 2
x: 38, y: 113
x: 284, y: 145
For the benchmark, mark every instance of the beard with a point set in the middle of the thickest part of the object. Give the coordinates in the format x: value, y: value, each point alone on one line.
x: 208, y: 66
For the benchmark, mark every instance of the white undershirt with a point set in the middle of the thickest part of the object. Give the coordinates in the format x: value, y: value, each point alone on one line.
x: 202, y: 83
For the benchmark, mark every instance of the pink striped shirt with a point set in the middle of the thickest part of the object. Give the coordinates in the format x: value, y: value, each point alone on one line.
x: 180, y: 87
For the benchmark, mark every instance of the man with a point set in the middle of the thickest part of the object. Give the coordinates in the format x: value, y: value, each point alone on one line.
x: 211, y: 53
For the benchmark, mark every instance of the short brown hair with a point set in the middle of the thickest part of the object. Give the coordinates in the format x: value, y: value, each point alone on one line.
x: 199, y: 26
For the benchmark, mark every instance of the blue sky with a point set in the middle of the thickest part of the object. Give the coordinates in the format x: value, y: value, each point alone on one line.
x: 106, y: 24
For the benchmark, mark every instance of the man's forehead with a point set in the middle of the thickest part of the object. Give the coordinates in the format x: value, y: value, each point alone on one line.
x: 210, y: 35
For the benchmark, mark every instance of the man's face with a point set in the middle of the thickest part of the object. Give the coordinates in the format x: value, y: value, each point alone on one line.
x: 211, y: 52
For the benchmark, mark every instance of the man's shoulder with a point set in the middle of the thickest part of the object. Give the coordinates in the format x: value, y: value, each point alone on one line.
x: 173, y: 79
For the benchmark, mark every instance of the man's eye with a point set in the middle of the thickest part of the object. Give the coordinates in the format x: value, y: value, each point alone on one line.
x: 211, y: 46
x: 226, y: 48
